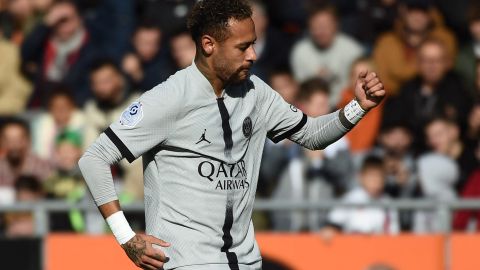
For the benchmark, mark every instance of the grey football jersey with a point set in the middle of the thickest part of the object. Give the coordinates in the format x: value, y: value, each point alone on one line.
x: 201, y: 156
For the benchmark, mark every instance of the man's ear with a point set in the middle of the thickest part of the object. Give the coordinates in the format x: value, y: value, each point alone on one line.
x: 208, y: 44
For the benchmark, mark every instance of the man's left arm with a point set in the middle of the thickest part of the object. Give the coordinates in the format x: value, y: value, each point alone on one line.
x: 319, y: 132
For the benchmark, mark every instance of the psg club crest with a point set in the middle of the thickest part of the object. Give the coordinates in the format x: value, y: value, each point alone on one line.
x: 247, y: 127
x: 132, y: 115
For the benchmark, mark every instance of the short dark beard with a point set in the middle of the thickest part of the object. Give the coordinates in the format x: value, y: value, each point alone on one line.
x: 229, y: 79
x: 15, y: 160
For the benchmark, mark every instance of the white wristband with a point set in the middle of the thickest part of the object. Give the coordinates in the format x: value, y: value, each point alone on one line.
x: 353, y: 112
x: 120, y: 227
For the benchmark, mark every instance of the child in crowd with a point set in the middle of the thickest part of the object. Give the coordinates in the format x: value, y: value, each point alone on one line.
x: 27, y: 189
x: 62, y: 114
x: 364, y: 220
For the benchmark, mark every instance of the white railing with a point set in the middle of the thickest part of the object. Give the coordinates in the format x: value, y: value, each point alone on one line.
x: 42, y: 209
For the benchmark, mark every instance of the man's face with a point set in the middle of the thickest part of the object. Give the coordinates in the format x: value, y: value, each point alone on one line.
x: 147, y: 43
x: 416, y: 20
x: 285, y: 85
x: 432, y: 62
x: 106, y: 83
x: 70, y: 22
x: 323, y: 28
x: 183, y: 50
x: 61, y: 108
x: 373, y: 181
x: 316, y: 105
x: 233, y: 58
x: 396, y: 141
x: 441, y: 136
x: 15, y: 142
x: 67, y: 156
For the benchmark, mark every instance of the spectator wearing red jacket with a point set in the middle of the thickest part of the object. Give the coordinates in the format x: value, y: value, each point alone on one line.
x: 462, y: 219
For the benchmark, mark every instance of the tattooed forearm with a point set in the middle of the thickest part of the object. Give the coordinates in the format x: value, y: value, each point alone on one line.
x: 135, y: 248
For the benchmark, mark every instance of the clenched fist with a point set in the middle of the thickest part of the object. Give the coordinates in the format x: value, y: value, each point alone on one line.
x: 369, y: 90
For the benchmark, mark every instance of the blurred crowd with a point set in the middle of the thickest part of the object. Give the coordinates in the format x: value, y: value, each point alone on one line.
x: 69, y: 68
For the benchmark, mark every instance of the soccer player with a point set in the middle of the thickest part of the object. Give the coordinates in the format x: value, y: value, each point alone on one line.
x: 200, y: 134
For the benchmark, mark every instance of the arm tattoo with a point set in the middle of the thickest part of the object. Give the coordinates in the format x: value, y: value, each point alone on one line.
x: 135, y: 248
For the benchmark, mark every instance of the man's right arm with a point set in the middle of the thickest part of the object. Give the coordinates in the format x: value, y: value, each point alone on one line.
x: 95, y: 167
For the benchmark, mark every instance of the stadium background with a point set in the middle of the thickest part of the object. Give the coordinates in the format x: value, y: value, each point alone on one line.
x: 408, y: 176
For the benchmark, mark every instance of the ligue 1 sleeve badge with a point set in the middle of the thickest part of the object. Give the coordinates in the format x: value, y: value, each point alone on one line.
x: 247, y: 127
x: 132, y: 115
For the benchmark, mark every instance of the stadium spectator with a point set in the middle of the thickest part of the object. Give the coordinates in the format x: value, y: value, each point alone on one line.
x: 465, y: 220
x: 148, y: 64
x: 282, y: 81
x: 183, y: 48
x: 14, y: 89
x: 67, y: 181
x: 21, y: 224
x: 325, y: 52
x: 17, y: 158
x: 469, y: 55
x: 59, y: 51
x: 395, y: 148
x: 437, y: 175
x: 362, y: 137
x: 435, y: 91
x: 327, y: 172
x: 271, y: 46
x: 443, y: 136
x: 280, y: 160
x: 62, y: 114
x: 395, y: 52
x: 18, y: 20
x: 111, y: 96
x: 364, y: 220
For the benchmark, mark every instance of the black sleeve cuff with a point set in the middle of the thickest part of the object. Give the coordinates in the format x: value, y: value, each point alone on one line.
x: 345, y: 121
x: 120, y: 145
x: 291, y: 131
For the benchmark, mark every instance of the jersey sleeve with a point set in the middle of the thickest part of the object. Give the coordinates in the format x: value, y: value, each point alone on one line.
x: 282, y: 119
x: 144, y: 124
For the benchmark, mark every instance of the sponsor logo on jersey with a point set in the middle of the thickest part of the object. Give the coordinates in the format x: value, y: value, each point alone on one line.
x: 203, y: 138
x: 225, y: 176
x: 247, y: 127
x: 132, y: 115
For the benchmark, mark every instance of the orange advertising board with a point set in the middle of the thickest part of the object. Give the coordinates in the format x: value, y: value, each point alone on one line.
x: 292, y: 251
